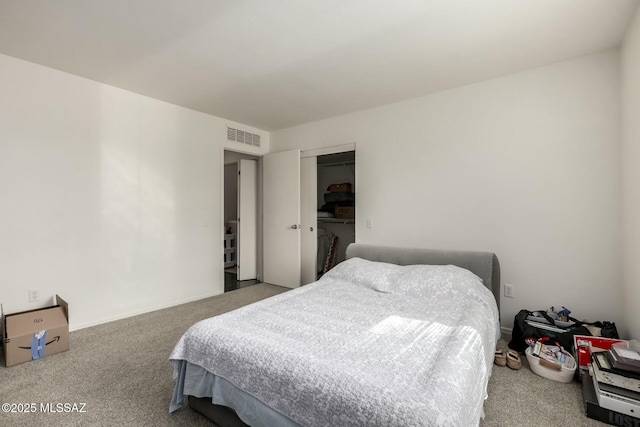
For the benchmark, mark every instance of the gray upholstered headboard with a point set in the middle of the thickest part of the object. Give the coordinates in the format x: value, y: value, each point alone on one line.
x: 483, y: 264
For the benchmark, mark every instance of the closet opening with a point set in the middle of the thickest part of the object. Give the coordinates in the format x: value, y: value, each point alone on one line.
x: 336, y: 203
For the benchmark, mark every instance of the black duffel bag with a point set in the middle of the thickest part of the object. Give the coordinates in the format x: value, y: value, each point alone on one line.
x: 522, y: 330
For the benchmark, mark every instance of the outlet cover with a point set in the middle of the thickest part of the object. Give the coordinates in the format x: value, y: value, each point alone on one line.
x: 34, y: 295
x: 508, y: 290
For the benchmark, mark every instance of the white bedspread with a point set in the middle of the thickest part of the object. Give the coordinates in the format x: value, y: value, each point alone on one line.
x: 368, y: 344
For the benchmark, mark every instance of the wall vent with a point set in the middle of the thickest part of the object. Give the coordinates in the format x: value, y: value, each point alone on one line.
x: 243, y: 137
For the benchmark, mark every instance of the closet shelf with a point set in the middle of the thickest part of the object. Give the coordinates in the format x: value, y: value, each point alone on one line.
x: 337, y: 220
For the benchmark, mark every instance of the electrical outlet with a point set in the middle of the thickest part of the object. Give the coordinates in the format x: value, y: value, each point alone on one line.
x: 369, y: 223
x: 508, y: 290
x: 34, y: 295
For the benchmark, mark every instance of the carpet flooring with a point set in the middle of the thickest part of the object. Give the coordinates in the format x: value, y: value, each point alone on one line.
x: 120, y: 372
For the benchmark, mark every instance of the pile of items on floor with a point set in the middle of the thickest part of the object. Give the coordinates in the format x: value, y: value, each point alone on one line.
x: 610, y: 373
x: 561, y: 348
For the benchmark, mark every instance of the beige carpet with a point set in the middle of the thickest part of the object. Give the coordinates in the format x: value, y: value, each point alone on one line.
x: 522, y: 398
x: 120, y: 370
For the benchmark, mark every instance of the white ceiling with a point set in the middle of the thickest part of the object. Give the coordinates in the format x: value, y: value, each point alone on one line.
x: 273, y: 64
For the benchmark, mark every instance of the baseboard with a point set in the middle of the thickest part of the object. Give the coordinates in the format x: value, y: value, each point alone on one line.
x: 75, y: 327
x: 506, y: 331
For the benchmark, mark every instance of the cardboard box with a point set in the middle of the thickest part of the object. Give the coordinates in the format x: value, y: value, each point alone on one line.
x: 345, y: 212
x: 338, y: 188
x: 33, y: 334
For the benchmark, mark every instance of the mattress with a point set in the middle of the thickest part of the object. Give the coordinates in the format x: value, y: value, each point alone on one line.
x: 369, y: 344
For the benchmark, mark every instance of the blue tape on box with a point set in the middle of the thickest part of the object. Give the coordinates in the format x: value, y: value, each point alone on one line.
x: 38, y: 344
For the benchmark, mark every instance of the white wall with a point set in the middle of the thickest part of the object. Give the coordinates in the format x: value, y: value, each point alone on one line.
x: 631, y: 174
x: 110, y: 199
x: 526, y: 166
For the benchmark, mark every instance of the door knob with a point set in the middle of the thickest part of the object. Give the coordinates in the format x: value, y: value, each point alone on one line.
x: 295, y: 227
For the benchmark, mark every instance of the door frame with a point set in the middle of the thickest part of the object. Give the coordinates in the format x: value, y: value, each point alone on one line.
x: 334, y: 149
x: 303, y: 153
x: 258, y: 158
x: 247, y: 225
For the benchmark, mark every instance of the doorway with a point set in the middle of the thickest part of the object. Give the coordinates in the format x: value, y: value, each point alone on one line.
x: 336, y: 199
x: 290, y: 212
x: 240, y: 220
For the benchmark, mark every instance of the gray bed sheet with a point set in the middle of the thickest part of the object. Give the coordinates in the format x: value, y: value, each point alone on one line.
x: 193, y: 380
x: 369, y: 344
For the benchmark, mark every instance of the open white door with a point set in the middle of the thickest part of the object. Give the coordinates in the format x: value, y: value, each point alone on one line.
x: 281, y: 218
x: 247, y: 246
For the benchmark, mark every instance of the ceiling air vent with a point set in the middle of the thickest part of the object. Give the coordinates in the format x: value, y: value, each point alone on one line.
x: 237, y: 135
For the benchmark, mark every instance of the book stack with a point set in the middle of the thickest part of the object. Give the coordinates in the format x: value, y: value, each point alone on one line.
x: 584, y: 345
x: 614, y: 386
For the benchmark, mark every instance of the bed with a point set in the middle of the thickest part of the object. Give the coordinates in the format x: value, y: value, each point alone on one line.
x: 390, y: 336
